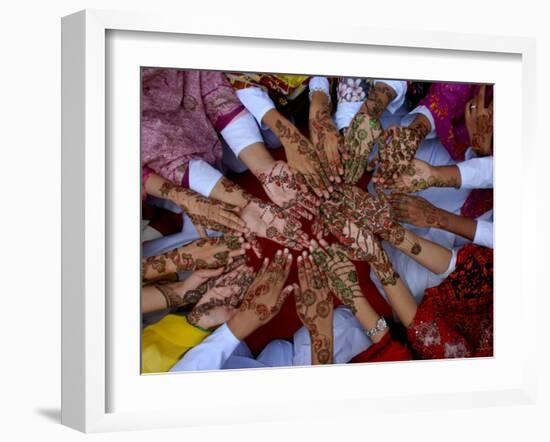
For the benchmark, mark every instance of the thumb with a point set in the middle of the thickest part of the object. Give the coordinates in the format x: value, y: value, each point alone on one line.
x: 285, y: 293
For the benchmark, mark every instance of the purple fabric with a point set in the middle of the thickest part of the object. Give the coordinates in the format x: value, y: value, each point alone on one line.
x: 181, y: 113
x: 446, y: 102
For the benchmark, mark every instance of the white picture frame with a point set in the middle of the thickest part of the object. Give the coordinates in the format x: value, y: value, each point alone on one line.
x: 87, y: 213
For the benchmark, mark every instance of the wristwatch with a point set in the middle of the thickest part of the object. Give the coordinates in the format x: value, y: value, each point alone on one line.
x: 381, y: 325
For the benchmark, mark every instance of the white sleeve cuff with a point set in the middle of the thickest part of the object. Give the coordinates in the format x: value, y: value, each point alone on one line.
x: 484, y: 234
x: 452, y: 265
x: 319, y: 84
x: 210, y: 354
x: 241, y: 133
x: 400, y: 88
x: 202, y: 177
x: 409, y: 118
x: 476, y: 173
x: 345, y: 111
x: 257, y: 101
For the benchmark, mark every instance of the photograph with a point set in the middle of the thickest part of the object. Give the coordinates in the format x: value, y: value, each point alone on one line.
x: 299, y: 220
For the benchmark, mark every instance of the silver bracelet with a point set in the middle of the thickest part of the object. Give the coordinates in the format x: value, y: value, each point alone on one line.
x: 381, y: 325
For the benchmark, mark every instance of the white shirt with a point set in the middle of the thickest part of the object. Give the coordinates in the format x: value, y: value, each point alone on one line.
x: 222, y: 350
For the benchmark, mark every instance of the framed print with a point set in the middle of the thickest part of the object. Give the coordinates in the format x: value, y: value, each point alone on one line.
x: 159, y: 121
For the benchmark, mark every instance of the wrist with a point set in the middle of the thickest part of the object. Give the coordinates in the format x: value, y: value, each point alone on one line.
x: 446, y: 176
x: 242, y: 325
x: 257, y: 158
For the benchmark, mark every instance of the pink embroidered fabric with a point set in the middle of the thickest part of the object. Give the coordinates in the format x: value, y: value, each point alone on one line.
x: 181, y: 115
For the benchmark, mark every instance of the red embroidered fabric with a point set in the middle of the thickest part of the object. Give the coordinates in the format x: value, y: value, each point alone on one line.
x: 478, y: 202
x: 455, y: 319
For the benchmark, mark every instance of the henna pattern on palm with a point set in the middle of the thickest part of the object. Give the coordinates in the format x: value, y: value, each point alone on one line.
x: 223, y: 297
x: 265, y: 296
x: 315, y: 308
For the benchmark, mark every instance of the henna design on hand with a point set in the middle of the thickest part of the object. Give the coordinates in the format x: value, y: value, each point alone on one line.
x: 479, y: 123
x: 397, y: 152
x: 362, y: 135
x: 422, y: 177
x: 302, y: 157
x: 265, y: 297
x: 314, y: 307
x: 206, y: 253
x: 327, y: 141
x: 223, y: 297
x: 287, y: 191
x: 205, y: 212
x: 415, y: 210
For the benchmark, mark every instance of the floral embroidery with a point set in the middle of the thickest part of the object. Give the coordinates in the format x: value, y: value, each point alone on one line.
x: 353, y: 89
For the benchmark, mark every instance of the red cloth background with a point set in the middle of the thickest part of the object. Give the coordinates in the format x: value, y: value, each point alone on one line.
x: 286, y: 323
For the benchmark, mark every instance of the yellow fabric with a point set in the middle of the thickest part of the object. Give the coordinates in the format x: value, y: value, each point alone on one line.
x: 164, y: 343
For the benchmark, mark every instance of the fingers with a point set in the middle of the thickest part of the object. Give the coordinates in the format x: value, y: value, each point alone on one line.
x: 299, y: 211
x: 480, y: 102
x: 285, y: 293
x: 233, y: 221
x: 320, y: 257
x: 263, y: 268
x: 468, y: 112
x: 209, y: 273
x: 373, y: 163
x: 238, y: 252
x: 308, y: 270
x: 252, y: 239
x: 287, y: 256
x: 308, y: 201
x: 301, y: 272
x: 315, y: 273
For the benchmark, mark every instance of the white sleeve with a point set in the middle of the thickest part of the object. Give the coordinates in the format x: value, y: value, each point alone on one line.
x: 241, y: 133
x: 257, y: 101
x: 484, y: 233
x: 452, y: 265
x: 345, y: 111
x: 423, y: 110
x: 476, y: 173
x: 319, y: 84
x: 210, y: 354
x: 202, y: 177
x: 400, y: 88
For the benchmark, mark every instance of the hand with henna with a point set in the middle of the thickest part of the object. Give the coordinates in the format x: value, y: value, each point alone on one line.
x: 206, y: 253
x: 314, y: 307
x: 397, y: 152
x: 361, y: 136
x: 223, y: 299
x: 358, y: 243
x: 417, y: 211
x: 344, y: 283
x: 340, y: 272
x: 163, y: 295
x: 265, y: 296
x: 372, y: 213
x: 268, y: 221
x: 286, y: 190
x: 325, y: 137
x: 205, y: 212
x: 479, y: 123
x: 300, y: 153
